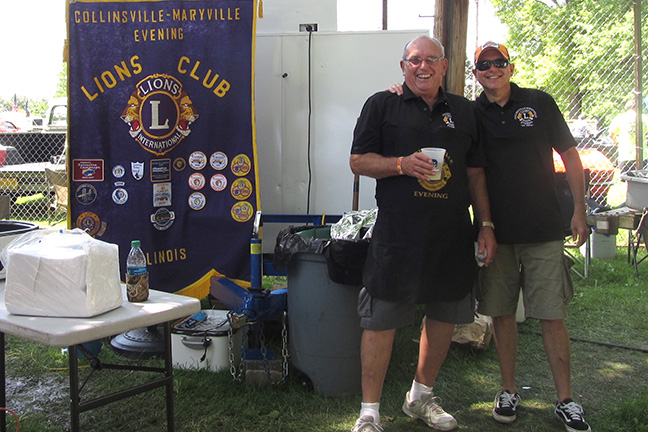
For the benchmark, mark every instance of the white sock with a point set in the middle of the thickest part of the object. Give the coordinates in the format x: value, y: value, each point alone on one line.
x: 418, y: 390
x: 371, y: 409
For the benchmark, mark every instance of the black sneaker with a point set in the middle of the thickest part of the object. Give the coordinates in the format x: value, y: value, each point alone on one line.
x: 505, y: 406
x: 571, y: 414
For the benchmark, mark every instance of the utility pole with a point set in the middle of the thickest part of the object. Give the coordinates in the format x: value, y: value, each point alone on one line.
x: 384, y: 14
x: 451, y: 28
x: 639, y: 108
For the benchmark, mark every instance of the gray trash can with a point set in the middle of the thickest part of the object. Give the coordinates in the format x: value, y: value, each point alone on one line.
x: 324, y: 327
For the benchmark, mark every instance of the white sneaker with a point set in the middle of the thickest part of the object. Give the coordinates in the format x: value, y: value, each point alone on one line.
x: 429, y: 410
x: 366, y: 424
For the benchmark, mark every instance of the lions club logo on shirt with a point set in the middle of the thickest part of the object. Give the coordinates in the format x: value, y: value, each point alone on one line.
x: 526, y: 116
x: 448, y: 120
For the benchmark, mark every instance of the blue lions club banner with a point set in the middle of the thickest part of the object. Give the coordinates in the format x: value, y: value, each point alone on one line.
x: 161, y: 139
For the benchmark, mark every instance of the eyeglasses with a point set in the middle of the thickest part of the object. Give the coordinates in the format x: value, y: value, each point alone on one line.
x: 416, y: 61
x: 485, y: 65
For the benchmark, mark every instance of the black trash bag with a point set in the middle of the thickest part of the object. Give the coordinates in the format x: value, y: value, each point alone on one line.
x: 289, y: 242
x: 345, y: 260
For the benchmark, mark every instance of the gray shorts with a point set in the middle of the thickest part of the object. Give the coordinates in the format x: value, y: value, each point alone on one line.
x: 541, y: 270
x: 376, y: 314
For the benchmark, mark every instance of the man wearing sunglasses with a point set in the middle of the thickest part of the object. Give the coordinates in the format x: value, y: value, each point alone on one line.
x: 520, y: 128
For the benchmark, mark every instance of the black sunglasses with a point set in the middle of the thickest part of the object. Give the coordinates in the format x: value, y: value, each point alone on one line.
x: 485, y: 65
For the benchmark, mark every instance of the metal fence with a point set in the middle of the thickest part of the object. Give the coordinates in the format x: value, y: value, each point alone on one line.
x: 24, y: 158
x: 583, y: 52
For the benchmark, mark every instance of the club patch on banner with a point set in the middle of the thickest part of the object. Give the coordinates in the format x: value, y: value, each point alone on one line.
x: 218, y: 182
x: 120, y: 196
x: 241, y: 189
x: 87, y: 170
x: 241, y: 165
x: 242, y: 211
x: 161, y: 194
x: 160, y: 170
x: 137, y: 169
x: 86, y: 194
x: 161, y: 95
x: 218, y: 160
x: 162, y: 219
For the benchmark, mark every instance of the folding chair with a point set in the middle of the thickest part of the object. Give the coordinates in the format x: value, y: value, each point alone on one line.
x: 640, y: 236
x: 60, y: 185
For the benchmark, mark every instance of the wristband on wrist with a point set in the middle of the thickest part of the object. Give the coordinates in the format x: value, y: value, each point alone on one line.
x: 399, y: 168
x: 488, y: 224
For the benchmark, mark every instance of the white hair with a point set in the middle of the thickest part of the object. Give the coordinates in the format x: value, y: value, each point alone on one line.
x: 435, y: 41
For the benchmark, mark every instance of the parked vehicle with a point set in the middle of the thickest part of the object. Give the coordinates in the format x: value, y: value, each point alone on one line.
x: 9, y: 156
x: 589, y: 136
x: 27, y: 154
x: 600, y: 141
x: 41, y: 144
x: 8, y: 126
x: 56, y: 117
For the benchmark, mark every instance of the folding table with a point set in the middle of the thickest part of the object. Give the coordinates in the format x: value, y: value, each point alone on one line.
x: 160, y: 308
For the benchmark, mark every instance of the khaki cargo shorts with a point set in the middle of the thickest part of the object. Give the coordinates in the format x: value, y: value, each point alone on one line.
x: 541, y: 270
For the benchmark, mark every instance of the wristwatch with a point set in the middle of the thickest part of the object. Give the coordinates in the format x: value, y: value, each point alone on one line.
x: 488, y: 224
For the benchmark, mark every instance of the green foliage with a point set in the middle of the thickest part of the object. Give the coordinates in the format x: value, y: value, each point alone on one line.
x: 629, y: 416
x: 580, y: 51
x: 36, y: 107
x: 31, y: 208
x: 61, y: 87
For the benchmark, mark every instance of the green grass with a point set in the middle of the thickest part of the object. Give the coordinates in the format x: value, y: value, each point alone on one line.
x: 33, y: 208
x: 36, y: 209
x: 608, y: 314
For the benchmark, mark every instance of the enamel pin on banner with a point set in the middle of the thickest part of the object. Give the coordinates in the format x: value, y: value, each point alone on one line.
x: 161, y: 127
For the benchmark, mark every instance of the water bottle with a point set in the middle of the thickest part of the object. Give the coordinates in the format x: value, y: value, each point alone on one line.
x: 137, y: 283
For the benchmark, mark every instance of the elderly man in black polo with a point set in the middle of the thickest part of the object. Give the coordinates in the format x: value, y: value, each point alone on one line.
x: 422, y: 248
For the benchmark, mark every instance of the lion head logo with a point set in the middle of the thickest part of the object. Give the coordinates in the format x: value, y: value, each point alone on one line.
x: 130, y: 115
x: 188, y: 114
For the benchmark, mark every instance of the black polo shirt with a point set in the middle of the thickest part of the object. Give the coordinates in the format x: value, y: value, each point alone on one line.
x: 518, y: 141
x: 422, y: 243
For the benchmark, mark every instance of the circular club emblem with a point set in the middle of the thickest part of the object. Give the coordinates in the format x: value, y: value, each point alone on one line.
x: 118, y: 171
x: 179, y: 164
x: 197, y: 160
x: 88, y: 222
x: 241, y: 165
x: 241, y: 189
x: 218, y: 161
x: 197, y: 201
x: 196, y: 181
x: 159, y: 113
x: 242, y: 211
x: 120, y: 196
x: 218, y: 182
x: 86, y: 194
